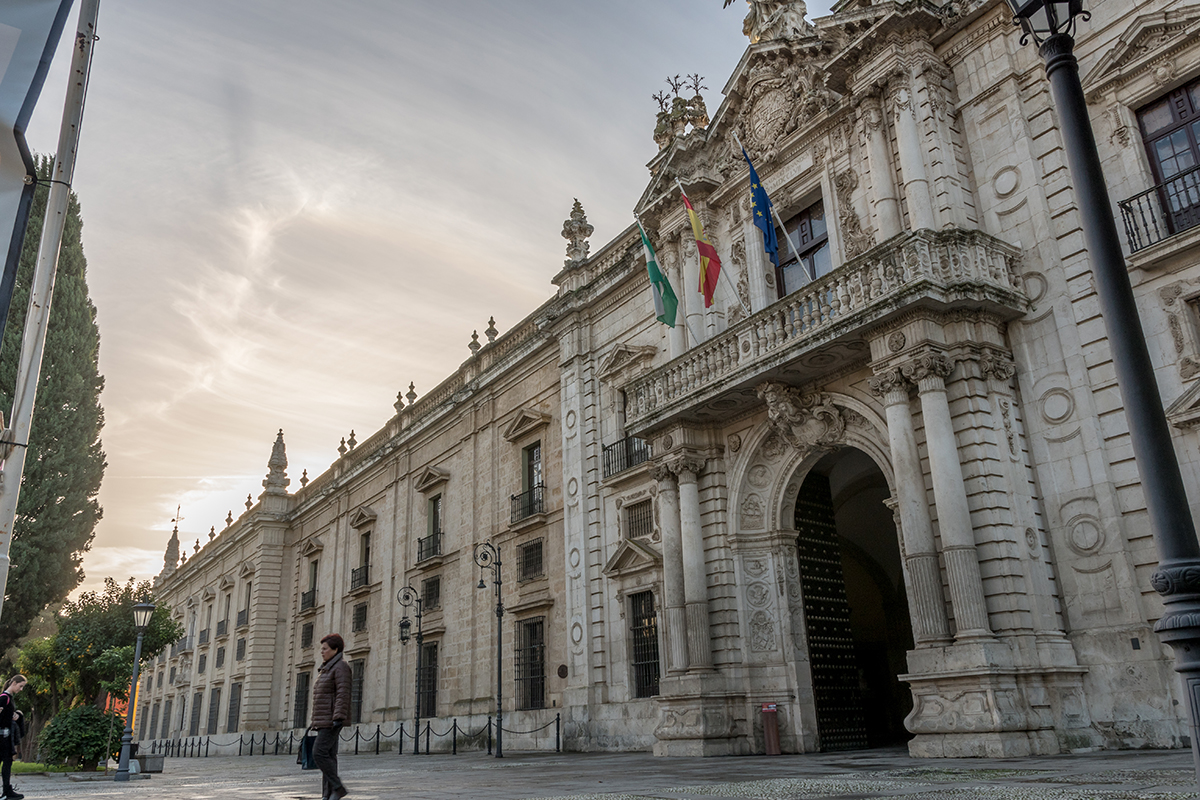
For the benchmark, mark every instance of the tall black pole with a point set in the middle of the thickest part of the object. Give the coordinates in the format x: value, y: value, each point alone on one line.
x: 417, y: 714
x: 127, y: 737
x: 499, y: 663
x: 1178, y: 575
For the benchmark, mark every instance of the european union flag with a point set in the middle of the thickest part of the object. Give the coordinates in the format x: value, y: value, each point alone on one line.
x: 760, y: 207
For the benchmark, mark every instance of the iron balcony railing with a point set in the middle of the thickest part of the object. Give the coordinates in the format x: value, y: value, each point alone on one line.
x: 308, y: 599
x: 203, y: 638
x: 625, y: 454
x: 429, y: 546
x: 223, y: 627
x: 360, y: 577
x: 1162, y: 211
x: 243, y: 618
x: 528, y: 503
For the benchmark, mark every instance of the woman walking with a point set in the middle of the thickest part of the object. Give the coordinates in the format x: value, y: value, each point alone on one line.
x: 11, y: 724
x: 331, y: 709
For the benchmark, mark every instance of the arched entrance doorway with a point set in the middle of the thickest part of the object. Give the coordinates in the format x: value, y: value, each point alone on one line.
x: 855, y: 607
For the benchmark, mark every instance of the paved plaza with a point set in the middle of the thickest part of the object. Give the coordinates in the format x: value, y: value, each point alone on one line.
x: 1119, y: 775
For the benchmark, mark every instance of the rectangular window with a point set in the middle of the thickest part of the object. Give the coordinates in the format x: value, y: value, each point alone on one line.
x: 360, y: 576
x: 358, y: 671
x: 220, y: 657
x: 241, y: 649
x: 809, y: 239
x: 639, y: 519
x: 154, y: 722
x: 431, y: 592
x: 435, y: 515
x: 531, y: 458
x: 529, y: 561
x: 194, y: 723
x: 313, y: 569
x: 201, y: 664
x: 431, y: 544
x: 172, y: 680
x: 166, y: 719
x: 364, y: 549
x: 360, y: 618
x: 142, y: 721
x: 428, y: 679
x: 530, y: 500
x: 160, y: 679
x: 235, y: 708
x: 303, y: 690
x: 643, y: 634
x: 214, y: 708
x: 306, y: 635
x: 531, y: 663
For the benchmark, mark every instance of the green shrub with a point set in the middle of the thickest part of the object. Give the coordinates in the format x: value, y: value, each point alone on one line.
x: 84, y: 732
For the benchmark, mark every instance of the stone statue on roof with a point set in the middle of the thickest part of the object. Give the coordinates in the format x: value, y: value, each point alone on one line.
x: 774, y: 19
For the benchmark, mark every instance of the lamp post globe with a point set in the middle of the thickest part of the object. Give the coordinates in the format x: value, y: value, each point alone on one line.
x: 142, y: 613
x: 409, y: 597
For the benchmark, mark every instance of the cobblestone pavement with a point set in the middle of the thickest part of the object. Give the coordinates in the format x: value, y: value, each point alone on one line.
x: 1125, y: 775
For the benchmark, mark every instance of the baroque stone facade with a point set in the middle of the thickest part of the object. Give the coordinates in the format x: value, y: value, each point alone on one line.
x: 896, y: 500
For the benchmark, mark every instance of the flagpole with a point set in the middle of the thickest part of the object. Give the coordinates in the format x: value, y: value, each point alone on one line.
x: 719, y: 272
x: 779, y: 222
x: 14, y: 442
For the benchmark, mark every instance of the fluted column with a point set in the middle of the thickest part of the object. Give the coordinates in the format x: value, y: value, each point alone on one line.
x: 695, y: 572
x: 912, y: 506
x: 673, y: 591
x: 689, y: 297
x: 883, y: 176
x: 912, y: 160
x: 950, y: 497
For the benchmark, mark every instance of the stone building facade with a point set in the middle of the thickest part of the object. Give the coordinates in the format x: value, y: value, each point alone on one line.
x: 887, y: 487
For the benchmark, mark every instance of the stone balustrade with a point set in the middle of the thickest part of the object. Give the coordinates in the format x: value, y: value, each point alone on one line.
x: 924, y: 268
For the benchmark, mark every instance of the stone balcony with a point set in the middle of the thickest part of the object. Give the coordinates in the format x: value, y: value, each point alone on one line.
x: 821, y: 327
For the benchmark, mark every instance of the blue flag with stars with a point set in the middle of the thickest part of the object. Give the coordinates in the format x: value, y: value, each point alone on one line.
x: 760, y: 207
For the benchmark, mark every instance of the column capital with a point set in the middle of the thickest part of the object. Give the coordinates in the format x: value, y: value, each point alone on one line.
x: 681, y: 468
x: 998, y: 364
x: 891, y: 386
x: 928, y: 371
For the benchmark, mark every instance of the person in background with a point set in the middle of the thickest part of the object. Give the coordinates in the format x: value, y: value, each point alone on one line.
x: 11, y: 726
x: 331, y: 710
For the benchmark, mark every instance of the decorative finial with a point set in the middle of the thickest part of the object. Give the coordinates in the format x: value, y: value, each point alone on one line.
x: 474, y: 345
x: 183, y: 558
x: 249, y: 503
x: 352, y: 442
x: 399, y: 404
x: 576, y: 230
x: 342, y: 447
x: 212, y: 533
x: 197, y: 545
x: 277, y: 481
x: 677, y: 111
x: 304, y: 479
x: 171, y: 557
x: 229, y: 518
x: 412, y: 393
x: 491, y: 331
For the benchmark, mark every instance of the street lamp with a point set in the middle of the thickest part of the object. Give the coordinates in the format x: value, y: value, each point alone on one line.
x: 408, y: 597
x: 141, y: 620
x: 1050, y: 25
x: 487, y: 556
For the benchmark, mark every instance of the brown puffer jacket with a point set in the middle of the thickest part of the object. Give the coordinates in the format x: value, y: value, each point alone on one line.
x: 331, y: 693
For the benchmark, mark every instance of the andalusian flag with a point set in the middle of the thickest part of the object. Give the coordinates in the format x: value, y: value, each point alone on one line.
x: 665, y: 301
x: 710, y: 263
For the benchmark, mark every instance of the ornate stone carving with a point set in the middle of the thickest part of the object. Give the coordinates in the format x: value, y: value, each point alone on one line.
x: 758, y: 595
x: 774, y: 19
x: 277, y: 481
x: 677, y: 112
x: 1006, y: 415
x: 887, y: 382
x: 927, y: 366
x: 993, y: 362
x: 896, y: 341
x: 856, y: 240
x: 1120, y: 136
x: 762, y: 633
x: 804, y: 421
x: 576, y: 230
x: 735, y: 443
x: 966, y: 711
x: 694, y: 723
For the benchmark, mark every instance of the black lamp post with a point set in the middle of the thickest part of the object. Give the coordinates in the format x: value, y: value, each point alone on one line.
x: 487, y: 556
x: 1051, y: 24
x: 141, y: 620
x: 408, y: 597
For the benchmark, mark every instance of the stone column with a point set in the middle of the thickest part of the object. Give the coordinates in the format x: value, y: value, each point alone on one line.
x: 676, y: 336
x: 883, y: 176
x: 912, y: 160
x: 689, y: 297
x: 912, y: 506
x: 673, y: 591
x: 695, y: 572
x: 950, y: 497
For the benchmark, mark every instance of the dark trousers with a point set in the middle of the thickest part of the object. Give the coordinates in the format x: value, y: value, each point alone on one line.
x: 325, y: 754
x: 6, y: 771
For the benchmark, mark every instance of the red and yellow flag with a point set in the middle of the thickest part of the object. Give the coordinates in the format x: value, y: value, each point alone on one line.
x: 710, y: 262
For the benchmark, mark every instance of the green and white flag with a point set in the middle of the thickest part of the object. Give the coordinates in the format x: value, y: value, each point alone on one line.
x: 665, y: 301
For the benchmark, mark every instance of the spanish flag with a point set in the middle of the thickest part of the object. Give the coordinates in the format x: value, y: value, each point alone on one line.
x: 710, y: 262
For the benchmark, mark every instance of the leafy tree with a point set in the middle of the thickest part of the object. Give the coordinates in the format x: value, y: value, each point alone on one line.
x: 58, y: 508
x: 85, y: 733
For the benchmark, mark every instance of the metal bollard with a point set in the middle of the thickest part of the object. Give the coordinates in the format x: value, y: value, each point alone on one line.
x: 454, y: 738
x: 207, y: 742
x: 356, y: 740
x: 489, y: 734
x: 558, y: 733
x: 376, y: 740
x: 239, y: 744
x: 400, y: 744
x: 426, y: 738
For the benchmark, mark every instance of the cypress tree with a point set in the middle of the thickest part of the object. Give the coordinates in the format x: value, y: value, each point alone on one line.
x: 58, y: 508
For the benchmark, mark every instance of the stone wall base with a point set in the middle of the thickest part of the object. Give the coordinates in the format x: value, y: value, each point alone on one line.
x: 699, y: 717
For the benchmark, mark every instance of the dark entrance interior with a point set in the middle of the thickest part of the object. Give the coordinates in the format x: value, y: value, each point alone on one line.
x: 855, y: 606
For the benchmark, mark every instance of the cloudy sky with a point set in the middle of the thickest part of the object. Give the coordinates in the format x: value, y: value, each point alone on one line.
x: 293, y: 209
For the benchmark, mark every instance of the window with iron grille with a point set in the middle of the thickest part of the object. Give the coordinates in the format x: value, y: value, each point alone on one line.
x: 201, y: 664
x: 194, y: 723
x: 241, y: 649
x: 220, y: 657
x: 643, y: 633
x: 154, y: 722
x: 431, y: 592
x: 360, y: 618
x: 358, y: 671
x: 306, y: 635
x: 303, y: 689
x: 531, y: 663
x: 214, y: 708
x: 428, y: 679
x: 166, y: 718
x: 172, y: 680
x: 639, y: 519
x: 160, y: 678
x: 529, y: 561
x: 183, y: 716
x: 142, y: 721
x: 235, y: 708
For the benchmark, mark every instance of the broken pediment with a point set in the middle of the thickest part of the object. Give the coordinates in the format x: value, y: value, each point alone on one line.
x: 624, y: 356
x: 1150, y: 43
x: 632, y: 557
x: 363, y: 517
x: 311, y: 546
x: 526, y: 421
x: 1185, y: 412
x: 429, y: 478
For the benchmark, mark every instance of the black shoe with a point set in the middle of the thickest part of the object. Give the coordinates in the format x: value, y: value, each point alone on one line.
x: 12, y: 794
